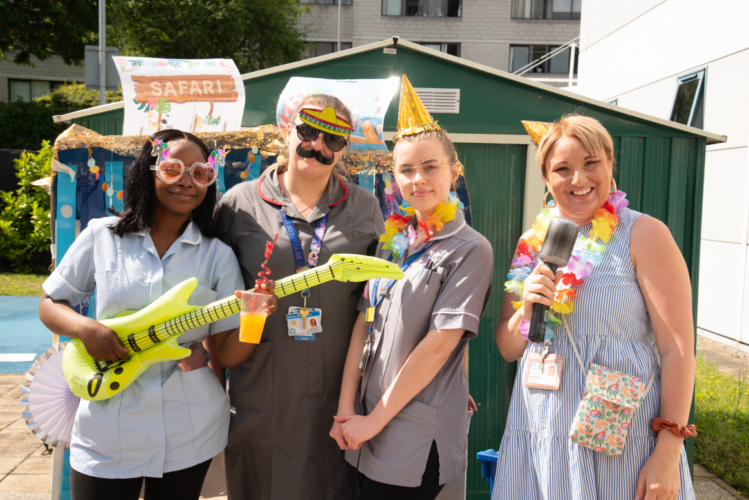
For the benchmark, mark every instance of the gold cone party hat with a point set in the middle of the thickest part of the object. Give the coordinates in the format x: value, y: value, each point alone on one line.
x: 413, y: 117
x: 536, y: 130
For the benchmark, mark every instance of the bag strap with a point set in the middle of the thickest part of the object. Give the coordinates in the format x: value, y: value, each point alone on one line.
x: 585, y: 372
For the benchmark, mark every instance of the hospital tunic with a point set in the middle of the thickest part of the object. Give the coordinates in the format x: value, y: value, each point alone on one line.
x: 167, y: 420
x: 450, y: 292
x: 285, y: 395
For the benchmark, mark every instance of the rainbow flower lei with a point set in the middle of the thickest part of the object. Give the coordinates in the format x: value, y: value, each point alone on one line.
x: 400, y: 235
x: 587, y: 254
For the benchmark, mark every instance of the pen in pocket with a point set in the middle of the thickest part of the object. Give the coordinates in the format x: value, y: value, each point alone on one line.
x: 425, y: 266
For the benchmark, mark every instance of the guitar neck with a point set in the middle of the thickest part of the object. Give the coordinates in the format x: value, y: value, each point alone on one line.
x: 302, y: 281
x: 232, y: 305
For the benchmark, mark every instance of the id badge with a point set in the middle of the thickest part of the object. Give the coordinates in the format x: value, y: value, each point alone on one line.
x: 543, y: 373
x: 296, y: 324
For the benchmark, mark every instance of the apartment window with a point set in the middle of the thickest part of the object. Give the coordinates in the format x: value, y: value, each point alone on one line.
x: 448, y: 48
x: 28, y: 90
x: 689, y: 100
x: 522, y: 55
x: 546, y: 9
x: 325, y: 2
x: 423, y: 8
x: 323, y: 48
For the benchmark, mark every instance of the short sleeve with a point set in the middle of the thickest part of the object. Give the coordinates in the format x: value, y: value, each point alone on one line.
x: 74, y: 279
x: 465, y: 291
x: 227, y: 279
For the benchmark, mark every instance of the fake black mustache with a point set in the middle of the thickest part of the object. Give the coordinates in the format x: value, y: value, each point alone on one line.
x: 317, y: 155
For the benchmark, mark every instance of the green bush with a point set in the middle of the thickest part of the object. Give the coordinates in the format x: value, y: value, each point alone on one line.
x: 74, y: 96
x: 24, y: 125
x: 24, y: 218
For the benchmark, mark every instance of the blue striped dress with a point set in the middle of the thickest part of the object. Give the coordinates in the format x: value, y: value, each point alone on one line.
x: 611, y: 327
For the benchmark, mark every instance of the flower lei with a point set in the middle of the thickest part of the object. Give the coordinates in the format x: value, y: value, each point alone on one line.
x: 400, y: 235
x: 587, y: 254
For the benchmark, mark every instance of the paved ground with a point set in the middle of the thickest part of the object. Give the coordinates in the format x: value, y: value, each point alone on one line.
x: 26, y: 469
x: 728, y: 359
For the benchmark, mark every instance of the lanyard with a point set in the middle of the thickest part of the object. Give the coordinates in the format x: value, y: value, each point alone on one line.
x: 296, y: 244
x: 374, y: 300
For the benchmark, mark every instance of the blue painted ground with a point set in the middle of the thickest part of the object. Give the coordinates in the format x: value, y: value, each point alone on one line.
x: 21, y: 331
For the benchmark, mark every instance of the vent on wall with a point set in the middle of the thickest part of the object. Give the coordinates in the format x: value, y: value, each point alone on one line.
x: 440, y: 100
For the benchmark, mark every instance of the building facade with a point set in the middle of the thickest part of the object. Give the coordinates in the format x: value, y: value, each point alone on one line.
x: 501, y: 34
x: 20, y: 81
x: 687, y: 61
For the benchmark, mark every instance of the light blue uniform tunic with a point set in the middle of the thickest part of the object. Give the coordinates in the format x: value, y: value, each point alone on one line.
x: 167, y: 420
x: 611, y: 327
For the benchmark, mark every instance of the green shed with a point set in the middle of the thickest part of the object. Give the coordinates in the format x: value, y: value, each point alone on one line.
x: 661, y: 165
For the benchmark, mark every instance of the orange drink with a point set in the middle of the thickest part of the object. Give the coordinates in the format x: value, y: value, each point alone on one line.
x: 252, y: 318
x: 251, y: 327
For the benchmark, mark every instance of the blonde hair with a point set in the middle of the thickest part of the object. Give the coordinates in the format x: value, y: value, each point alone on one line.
x: 323, y: 101
x: 589, y: 131
x: 438, y: 135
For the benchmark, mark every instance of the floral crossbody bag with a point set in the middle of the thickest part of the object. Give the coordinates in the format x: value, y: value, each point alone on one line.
x: 608, y: 404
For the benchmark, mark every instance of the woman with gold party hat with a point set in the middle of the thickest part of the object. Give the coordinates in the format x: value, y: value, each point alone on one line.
x: 403, y: 409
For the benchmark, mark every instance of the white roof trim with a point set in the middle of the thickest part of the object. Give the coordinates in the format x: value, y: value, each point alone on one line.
x: 711, y: 138
x: 480, y: 138
x: 89, y: 111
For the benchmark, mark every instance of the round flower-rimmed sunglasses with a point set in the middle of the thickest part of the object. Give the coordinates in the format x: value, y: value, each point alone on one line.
x: 170, y: 170
x: 308, y: 133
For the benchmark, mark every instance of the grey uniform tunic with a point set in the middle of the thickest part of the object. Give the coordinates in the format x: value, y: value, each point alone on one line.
x: 285, y: 395
x: 451, y: 293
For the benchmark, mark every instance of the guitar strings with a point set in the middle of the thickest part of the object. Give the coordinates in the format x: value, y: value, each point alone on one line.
x: 234, y: 305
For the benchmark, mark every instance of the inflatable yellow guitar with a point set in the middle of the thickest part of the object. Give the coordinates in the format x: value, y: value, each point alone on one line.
x: 150, y: 335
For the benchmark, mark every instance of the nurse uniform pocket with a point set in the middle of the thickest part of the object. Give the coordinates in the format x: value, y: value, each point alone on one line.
x: 251, y: 395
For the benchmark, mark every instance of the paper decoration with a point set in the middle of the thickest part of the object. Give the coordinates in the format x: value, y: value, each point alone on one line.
x: 198, y: 95
x: 368, y: 101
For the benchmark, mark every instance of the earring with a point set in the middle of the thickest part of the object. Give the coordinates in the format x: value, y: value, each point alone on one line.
x: 546, y: 195
x: 613, y: 186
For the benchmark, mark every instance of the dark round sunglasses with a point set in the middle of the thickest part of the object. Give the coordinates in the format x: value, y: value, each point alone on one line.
x: 308, y: 133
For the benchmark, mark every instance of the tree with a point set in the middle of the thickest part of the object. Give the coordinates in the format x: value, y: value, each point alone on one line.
x: 256, y: 34
x: 43, y: 28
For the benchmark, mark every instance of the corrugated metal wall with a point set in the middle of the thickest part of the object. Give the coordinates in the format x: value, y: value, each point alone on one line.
x: 662, y: 177
x: 495, y: 175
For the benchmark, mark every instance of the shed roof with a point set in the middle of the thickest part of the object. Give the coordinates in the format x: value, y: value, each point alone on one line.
x: 492, y: 101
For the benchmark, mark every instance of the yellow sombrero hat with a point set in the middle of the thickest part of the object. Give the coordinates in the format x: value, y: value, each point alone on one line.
x: 326, y: 120
x: 536, y: 130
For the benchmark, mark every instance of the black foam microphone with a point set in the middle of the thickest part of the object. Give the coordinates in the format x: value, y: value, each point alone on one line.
x: 555, y: 253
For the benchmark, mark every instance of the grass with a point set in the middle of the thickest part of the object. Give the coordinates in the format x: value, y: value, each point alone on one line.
x: 722, y: 418
x: 22, y: 284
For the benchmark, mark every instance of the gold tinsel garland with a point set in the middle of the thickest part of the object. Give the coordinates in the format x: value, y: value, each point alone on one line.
x: 267, y: 138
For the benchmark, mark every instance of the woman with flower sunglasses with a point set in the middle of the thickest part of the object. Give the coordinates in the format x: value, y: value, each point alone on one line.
x: 168, y: 425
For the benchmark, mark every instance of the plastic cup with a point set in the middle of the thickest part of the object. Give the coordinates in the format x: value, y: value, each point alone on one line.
x: 252, y: 317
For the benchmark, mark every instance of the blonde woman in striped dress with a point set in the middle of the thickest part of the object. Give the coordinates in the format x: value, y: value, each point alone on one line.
x: 637, y: 299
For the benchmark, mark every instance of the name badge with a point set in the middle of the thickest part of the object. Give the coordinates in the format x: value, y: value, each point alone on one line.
x: 543, y: 373
x: 304, y: 329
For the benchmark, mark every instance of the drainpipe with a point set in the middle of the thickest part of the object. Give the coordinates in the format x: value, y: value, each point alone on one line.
x: 572, y: 63
x: 102, y: 52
